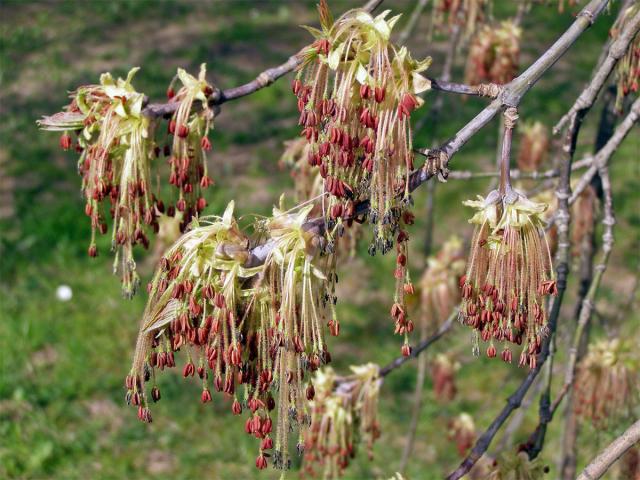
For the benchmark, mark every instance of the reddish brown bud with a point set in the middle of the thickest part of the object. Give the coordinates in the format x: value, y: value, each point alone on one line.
x: 65, y: 141
x: 205, y: 396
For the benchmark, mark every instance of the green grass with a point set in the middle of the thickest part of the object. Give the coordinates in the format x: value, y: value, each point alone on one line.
x: 62, y: 413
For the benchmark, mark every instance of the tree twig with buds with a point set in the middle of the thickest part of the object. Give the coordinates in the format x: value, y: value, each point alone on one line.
x: 590, y: 93
x: 599, y: 465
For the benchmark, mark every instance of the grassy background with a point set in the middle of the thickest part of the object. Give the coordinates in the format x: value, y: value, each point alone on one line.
x: 62, y: 413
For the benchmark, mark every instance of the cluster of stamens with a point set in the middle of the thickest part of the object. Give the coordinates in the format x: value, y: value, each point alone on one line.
x: 116, y: 143
x: 343, y: 412
x: 259, y: 328
x: 508, y: 275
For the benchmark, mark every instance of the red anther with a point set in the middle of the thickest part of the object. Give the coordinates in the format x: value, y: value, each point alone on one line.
x: 201, y: 204
x: 267, y: 426
x: 261, y: 462
x: 406, y: 350
x: 296, y: 86
x: 311, y: 392
x: 236, y: 408
x: 267, y: 444
x: 491, y: 351
x: 171, y: 93
x: 65, y: 141
x: 205, y: 396
x: 205, y: 144
x: 183, y: 131
x: 379, y: 94
x: 93, y: 251
x: 365, y: 91
x: 189, y: 370
x: 205, y: 181
x: 507, y: 356
x: 172, y: 127
x: 408, y: 289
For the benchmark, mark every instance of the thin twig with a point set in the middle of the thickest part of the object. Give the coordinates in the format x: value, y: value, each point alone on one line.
x: 422, y: 346
x: 616, y: 51
x: 413, y: 21
x: 599, y: 465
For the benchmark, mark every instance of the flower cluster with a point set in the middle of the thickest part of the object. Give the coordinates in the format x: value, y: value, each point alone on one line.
x: 116, y: 143
x: 439, y: 290
x: 443, y: 373
x: 517, y: 466
x: 462, y: 430
x: 508, y: 275
x: 190, y: 129
x: 470, y: 14
x: 356, y: 92
x: 259, y: 327
x: 343, y: 412
x: 534, y: 147
x: 494, y: 54
x: 607, y: 383
x: 628, y: 68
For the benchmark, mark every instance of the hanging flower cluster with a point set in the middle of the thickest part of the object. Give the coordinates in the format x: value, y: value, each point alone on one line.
x: 628, y: 68
x: 534, y: 147
x: 469, y: 14
x: 190, y: 128
x: 356, y: 92
x: 508, y: 275
x: 494, y: 54
x: 439, y: 285
x: 259, y: 327
x: 517, y: 466
x: 116, y: 143
x: 462, y: 431
x: 343, y: 413
x: 607, y: 382
x: 443, y: 374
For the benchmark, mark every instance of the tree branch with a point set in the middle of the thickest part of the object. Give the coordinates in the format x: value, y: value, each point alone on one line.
x: 591, y: 92
x: 599, y: 465
x: 511, y: 96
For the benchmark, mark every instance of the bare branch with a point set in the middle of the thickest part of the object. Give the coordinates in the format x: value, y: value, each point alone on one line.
x: 599, y: 465
x: 616, y: 51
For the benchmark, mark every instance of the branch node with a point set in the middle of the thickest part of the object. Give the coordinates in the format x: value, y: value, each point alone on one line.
x: 437, y: 163
x: 511, y: 118
x: 490, y: 90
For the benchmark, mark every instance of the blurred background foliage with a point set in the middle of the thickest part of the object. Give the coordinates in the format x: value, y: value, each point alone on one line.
x: 62, y: 413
